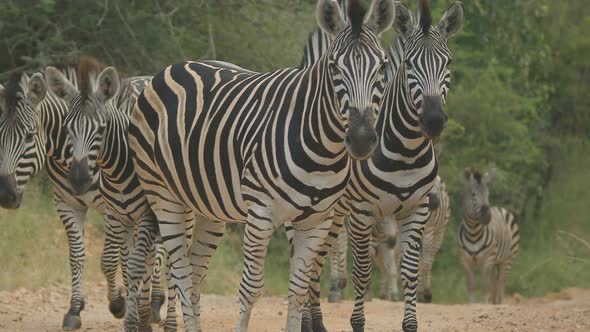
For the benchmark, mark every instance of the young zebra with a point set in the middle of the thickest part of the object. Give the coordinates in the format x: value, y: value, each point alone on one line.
x: 267, y: 148
x: 97, y: 123
x: 32, y: 134
x: 402, y: 170
x: 488, y: 238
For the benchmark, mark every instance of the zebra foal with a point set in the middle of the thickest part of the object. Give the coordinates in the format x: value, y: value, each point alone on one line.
x: 488, y: 239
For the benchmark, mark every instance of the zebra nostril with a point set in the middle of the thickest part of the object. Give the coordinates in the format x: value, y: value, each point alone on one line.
x: 347, y: 140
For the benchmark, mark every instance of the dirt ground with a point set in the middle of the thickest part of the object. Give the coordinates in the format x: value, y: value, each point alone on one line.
x: 568, y: 310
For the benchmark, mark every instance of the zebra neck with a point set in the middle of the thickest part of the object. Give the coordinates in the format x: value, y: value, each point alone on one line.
x: 398, y: 125
x: 472, y: 224
x: 317, y: 123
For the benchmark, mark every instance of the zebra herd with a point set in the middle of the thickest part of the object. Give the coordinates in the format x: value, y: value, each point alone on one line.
x: 170, y: 159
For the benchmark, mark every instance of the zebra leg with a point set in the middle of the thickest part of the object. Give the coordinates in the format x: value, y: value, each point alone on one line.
x: 469, y: 278
x: 138, y: 266
x: 145, y: 308
x: 360, y: 227
x: 338, y: 265
x: 158, y: 297
x: 487, y: 276
x: 385, y: 260
x: 411, y: 229
x: 426, y: 259
x: 389, y: 248
x: 307, y: 243
x: 172, y: 223
x: 313, y: 305
x: 207, y: 236
x: 257, y: 235
x: 73, y: 221
x: 503, y: 271
x: 111, y: 257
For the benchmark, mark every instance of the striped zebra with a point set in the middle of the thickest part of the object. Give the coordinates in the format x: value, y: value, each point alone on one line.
x: 97, y: 123
x: 488, y: 238
x: 31, y: 135
x: 402, y: 170
x: 265, y: 149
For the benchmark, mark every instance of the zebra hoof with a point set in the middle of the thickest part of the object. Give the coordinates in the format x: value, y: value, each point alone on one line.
x: 306, y: 325
x: 145, y: 329
x: 411, y: 326
x: 318, y: 325
x: 71, y: 322
x: 358, y: 328
x: 156, y: 305
x: 118, y: 308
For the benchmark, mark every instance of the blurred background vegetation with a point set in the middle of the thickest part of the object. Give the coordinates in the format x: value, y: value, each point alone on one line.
x: 519, y: 105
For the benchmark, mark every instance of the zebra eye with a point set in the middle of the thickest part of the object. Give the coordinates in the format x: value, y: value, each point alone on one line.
x: 30, y: 137
x: 334, y: 70
x: 408, y: 64
x: 383, y: 67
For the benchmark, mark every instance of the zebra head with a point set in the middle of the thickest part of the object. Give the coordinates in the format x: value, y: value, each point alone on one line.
x: 476, y: 202
x: 426, y: 62
x: 22, y: 139
x: 355, y: 62
x: 87, y: 116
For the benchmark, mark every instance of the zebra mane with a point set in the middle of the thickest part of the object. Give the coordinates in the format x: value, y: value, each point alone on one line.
x: 425, y: 16
x: 88, y: 70
x: 356, y: 15
x: 13, y: 88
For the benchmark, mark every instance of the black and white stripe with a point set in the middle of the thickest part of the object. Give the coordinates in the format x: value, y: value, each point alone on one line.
x: 265, y: 149
x: 488, y: 239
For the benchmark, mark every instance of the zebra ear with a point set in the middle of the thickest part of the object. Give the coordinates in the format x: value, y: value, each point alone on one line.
x: 382, y: 15
x: 108, y: 84
x: 403, y: 23
x: 37, y: 88
x: 329, y: 17
x: 59, y: 85
x: 452, y: 20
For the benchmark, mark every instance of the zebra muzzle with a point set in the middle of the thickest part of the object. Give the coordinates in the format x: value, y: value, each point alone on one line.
x: 10, y: 198
x: 79, y: 176
x: 433, y: 119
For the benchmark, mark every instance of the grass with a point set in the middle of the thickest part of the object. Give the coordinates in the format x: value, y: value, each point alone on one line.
x: 554, y: 247
x: 33, y: 244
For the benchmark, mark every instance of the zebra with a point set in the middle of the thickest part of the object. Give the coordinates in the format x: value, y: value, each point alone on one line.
x: 396, y: 180
x: 97, y: 122
x: 488, y: 238
x: 385, y: 250
x: 32, y: 134
x: 264, y: 149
